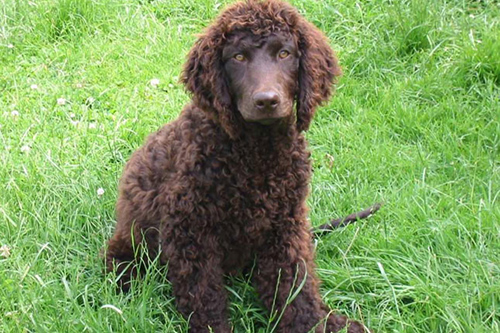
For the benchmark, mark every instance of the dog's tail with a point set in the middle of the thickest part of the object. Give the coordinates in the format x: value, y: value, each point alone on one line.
x: 344, y: 221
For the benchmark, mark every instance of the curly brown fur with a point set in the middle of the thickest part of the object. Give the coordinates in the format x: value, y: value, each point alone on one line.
x: 226, y: 183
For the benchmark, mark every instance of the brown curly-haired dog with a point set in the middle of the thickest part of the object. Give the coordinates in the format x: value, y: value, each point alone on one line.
x: 226, y: 183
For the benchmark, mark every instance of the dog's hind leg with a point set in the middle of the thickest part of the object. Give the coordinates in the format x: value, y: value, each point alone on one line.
x: 130, y: 255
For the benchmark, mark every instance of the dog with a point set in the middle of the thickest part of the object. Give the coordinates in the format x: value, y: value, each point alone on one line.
x: 225, y: 185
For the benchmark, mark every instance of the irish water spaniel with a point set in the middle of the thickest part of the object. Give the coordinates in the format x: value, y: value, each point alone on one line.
x: 225, y: 185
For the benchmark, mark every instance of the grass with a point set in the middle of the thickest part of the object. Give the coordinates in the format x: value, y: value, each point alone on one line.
x: 415, y: 124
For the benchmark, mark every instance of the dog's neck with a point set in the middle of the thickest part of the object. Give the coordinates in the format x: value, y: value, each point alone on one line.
x: 271, y: 143
x: 255, y: 139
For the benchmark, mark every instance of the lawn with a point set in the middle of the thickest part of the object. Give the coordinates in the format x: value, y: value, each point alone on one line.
x: 415, y: 123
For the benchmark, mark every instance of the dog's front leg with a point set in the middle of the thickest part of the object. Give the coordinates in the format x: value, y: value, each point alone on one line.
x: 198, y: 284
x: 286, y: 282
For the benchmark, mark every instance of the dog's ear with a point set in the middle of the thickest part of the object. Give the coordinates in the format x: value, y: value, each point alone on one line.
x: 318, y: 70
x: 203, y: 76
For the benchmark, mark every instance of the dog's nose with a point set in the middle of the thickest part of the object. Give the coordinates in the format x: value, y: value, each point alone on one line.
x: 266, y: 101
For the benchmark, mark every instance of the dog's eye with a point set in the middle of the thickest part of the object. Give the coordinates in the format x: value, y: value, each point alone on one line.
x: 283, y: 54
x: 239, y: 57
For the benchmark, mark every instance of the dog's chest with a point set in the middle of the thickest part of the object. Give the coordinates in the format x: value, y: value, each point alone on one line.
x: 259, y: 202
x: 256, y: 195
x: 252, y: 186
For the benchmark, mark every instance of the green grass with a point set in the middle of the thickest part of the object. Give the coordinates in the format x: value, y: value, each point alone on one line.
x: 415, y: 124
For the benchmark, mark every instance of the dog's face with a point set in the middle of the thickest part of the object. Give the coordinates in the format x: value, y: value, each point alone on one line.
x: 255, y: 61
x: 262, y: 75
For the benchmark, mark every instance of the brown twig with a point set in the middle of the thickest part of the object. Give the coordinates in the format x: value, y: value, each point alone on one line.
x: 344, y: 221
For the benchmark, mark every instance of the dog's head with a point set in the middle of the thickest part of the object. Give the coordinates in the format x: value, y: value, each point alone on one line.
x: 255, y: 62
